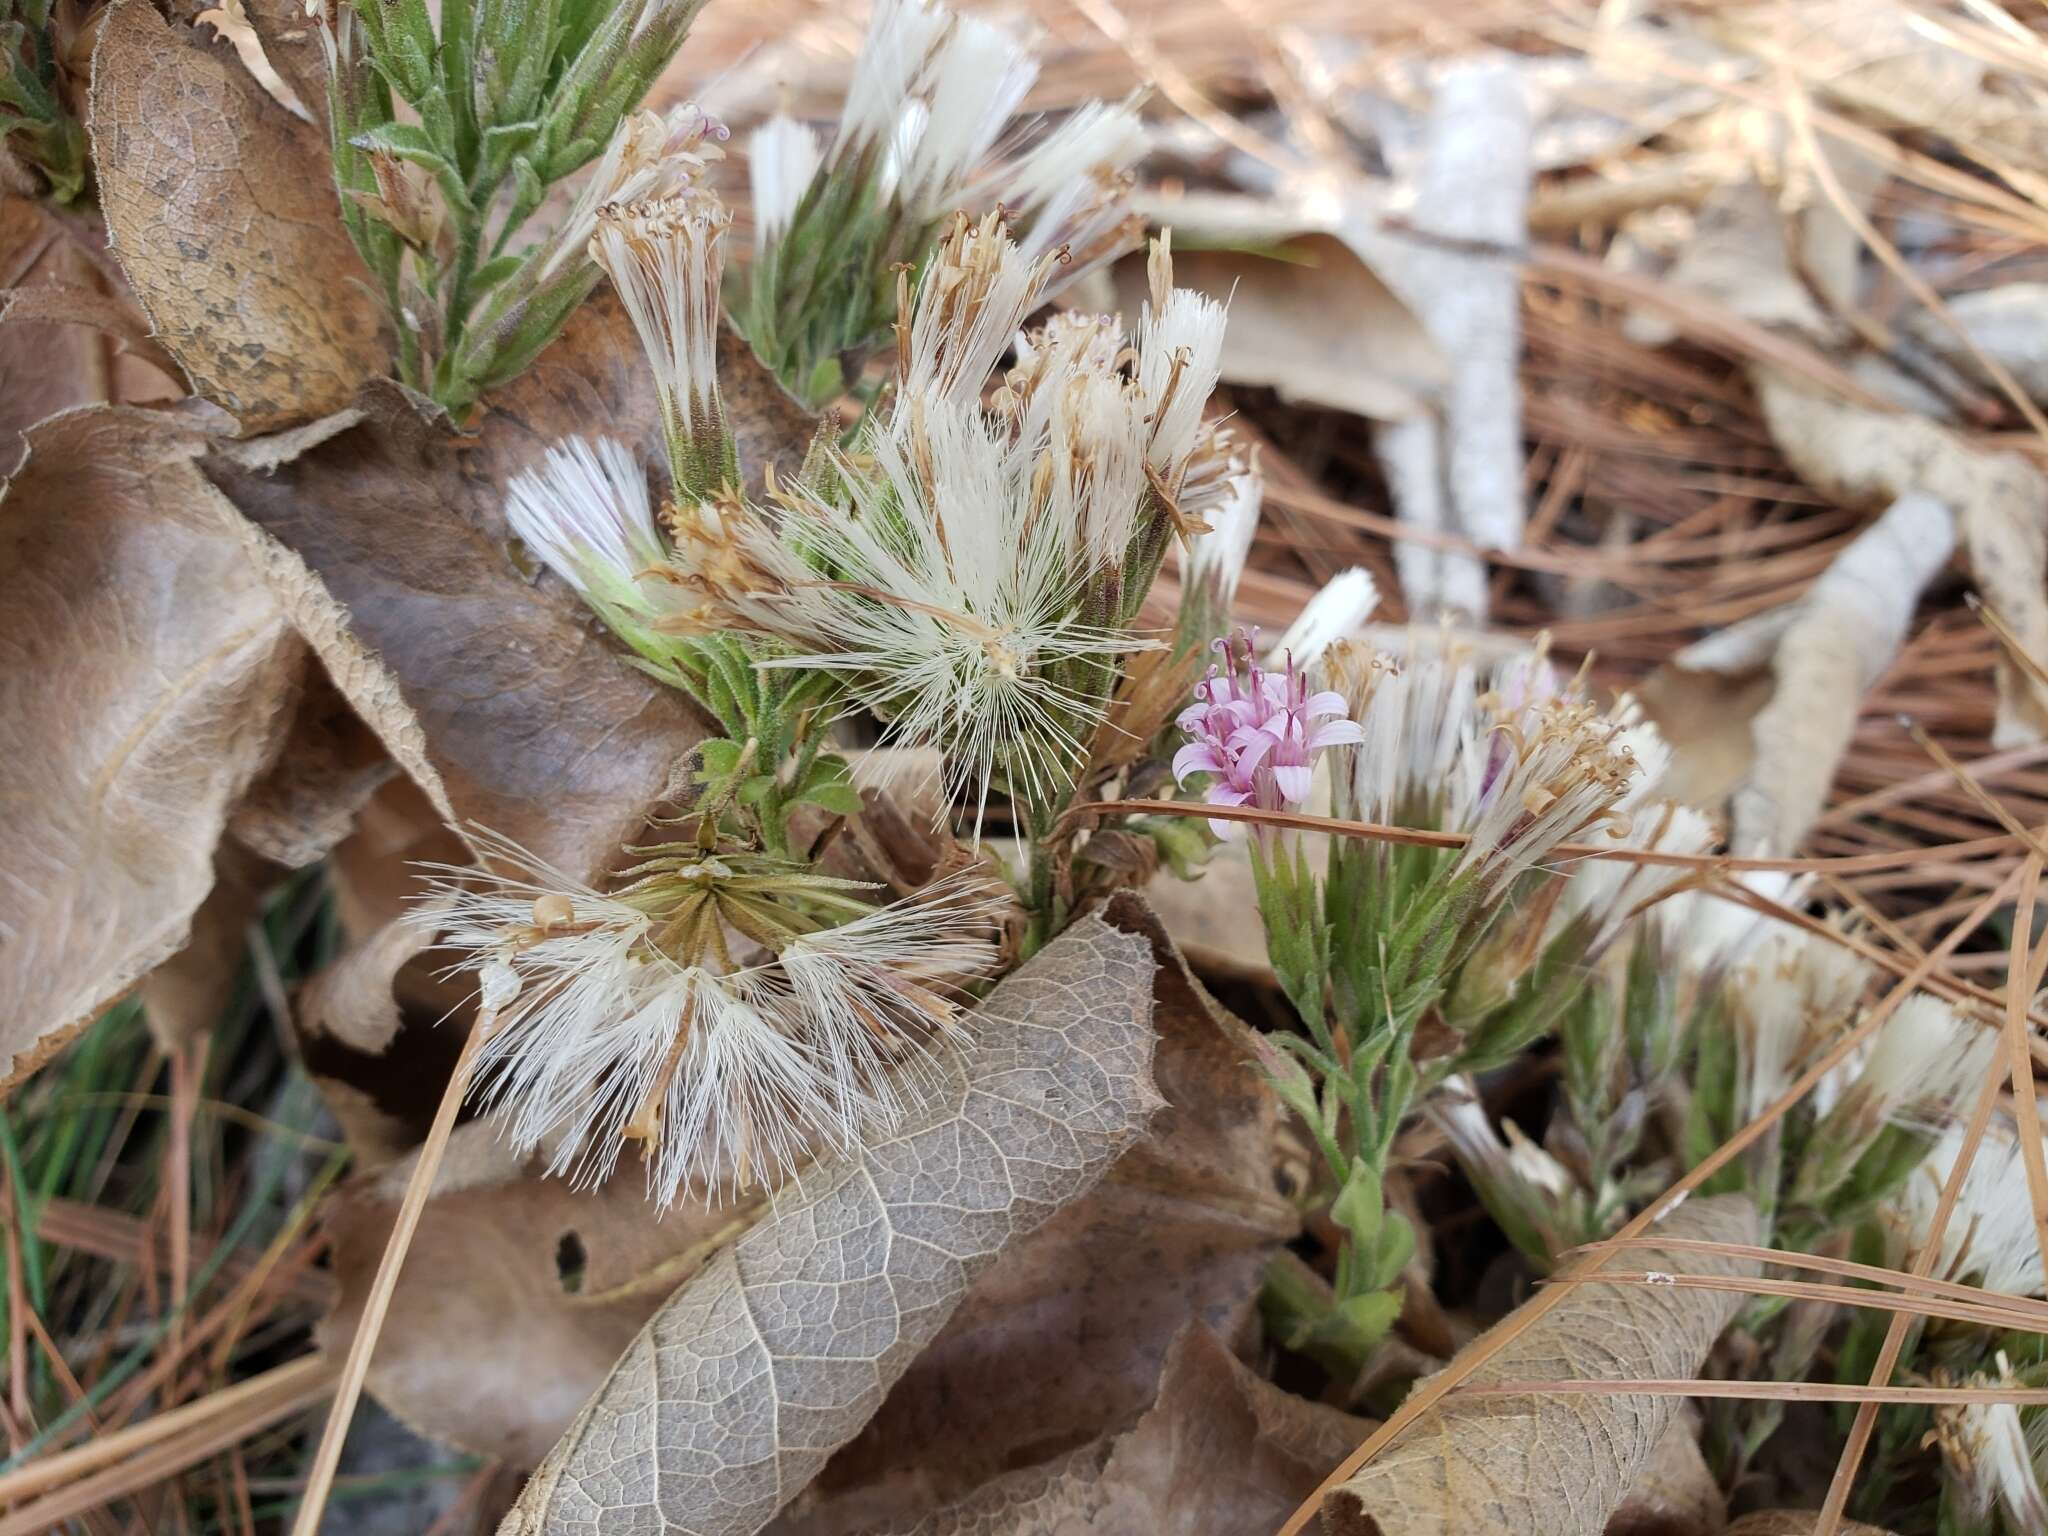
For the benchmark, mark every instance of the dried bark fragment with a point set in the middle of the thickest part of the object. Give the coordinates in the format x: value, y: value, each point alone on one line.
x: 732, y: 1398
x: 1556, y: 1465
x: 144, y: 678
x: 222, y: 211
x: 1866, y: 458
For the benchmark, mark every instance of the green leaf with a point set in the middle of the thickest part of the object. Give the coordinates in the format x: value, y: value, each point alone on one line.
x: 1359, y: 1207
x: 829, y: 786
x: 1392, y: 1248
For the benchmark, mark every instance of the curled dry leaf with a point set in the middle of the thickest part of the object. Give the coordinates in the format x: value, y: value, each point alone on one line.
x: 747, y: 1380
x: 1309, y: 316
x: 379, y: 1031
x: 504, y: 1254
x: 145, y: 673
x: 1063, y: 1339
x: 222, y: 211
x: 1561, y: 1465
x: 1822, y: 654
x: 184, y: 997
x: 385, y: 537
x: 1220, y: 1450
x: 69, y: 335
x: 1869, y: 459
x: 330, y: 766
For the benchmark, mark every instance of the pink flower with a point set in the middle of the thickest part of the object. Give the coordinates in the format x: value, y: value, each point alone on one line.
x: 1256, y: 732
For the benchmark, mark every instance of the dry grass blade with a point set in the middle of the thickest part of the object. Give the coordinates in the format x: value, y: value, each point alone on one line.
x: 320, y: 1479
x: 2026, y: 1315
x: 1415, y: 837
x: 1775, y: 1391
x: 158, y: 1449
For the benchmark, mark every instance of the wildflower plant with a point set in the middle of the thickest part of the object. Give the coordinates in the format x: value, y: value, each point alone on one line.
x: 1410, y: 961
x: 921, y: 138
x: 449, y: 126
x: 964, y: 568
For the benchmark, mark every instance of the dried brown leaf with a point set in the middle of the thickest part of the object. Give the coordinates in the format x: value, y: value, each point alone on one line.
x: 1675, y: 1494
x: 502, y: 1257
x: 1222, y: 1450
x: 1795, y: 1522
x: 184, y: 997
x: 748, y: 1379
x: 1309, y: 316
x: 49, y: 360
x: 330, y: 766
x: 1555, y: 1466
x: 1064, y: 1338
x: 144, y: 677
x: 498, y: 693
x: 222, y: 212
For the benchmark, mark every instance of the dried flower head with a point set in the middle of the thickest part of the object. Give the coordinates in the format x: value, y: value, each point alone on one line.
x: 584, y: 511
x: 1341, y: 605
x: 666, y: 258
x: 731, y: 1013
x: 971, y: 573
x: 1995, y: 1458
x: 1990, y: 1239
x: 651, y: 156
x: 1516, y: 765
x: 783, y: 156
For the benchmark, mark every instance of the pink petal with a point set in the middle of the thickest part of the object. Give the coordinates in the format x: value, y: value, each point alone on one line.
x: 1294, y: 783
x: 1336, y: 733
x: 1317, y: 705
x: 1251, y: 747
x: 1197, y: 757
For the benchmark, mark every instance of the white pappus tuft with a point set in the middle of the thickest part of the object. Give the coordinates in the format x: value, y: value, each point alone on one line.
x: 782, y: 157
x: 1990, y: 1239
x: 586, y: 513
x: 725, y: 1070
x: 1343, y: 603
x: 666, y: 259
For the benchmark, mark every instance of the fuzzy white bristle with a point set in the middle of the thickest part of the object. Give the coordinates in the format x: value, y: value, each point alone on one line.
x: 600, y: 1036
x: 1180, y: 358
x: 1997, y: 1460
x: 783, y: 156
x: 1216, y: 559
x: 666, y: 260
x: 1338, y: 609
x: 976, y: 602
x: 586, y: 514
x: 1990, y: 1239
x: 1926, y: 1059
